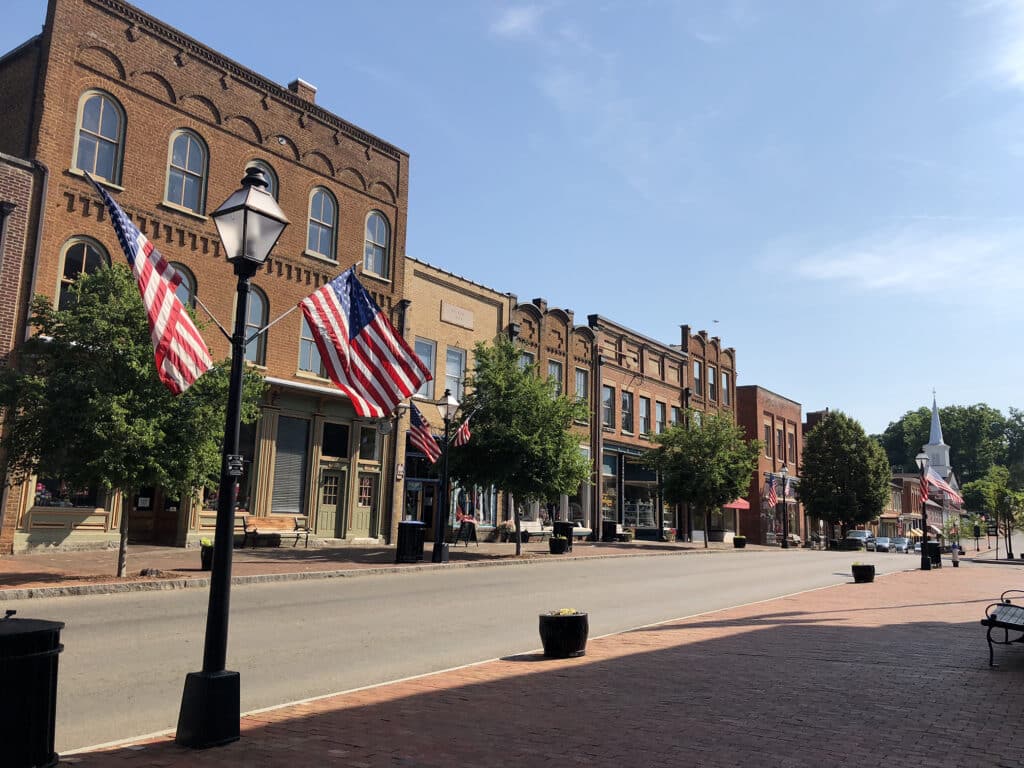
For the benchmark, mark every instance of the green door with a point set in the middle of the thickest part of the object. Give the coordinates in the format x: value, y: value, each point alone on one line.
x: 331, y: 500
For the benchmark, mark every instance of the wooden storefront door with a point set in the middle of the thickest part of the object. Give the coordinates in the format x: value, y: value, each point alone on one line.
x: 330, y: 504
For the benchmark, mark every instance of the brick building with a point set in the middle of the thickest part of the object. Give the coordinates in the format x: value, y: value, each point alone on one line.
x: 776, y: 421
x: 169, y: 126
x: 446, y: 316
x: 550, y: 338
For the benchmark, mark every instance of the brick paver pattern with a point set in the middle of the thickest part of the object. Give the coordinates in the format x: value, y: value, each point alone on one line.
x: 891, y: 673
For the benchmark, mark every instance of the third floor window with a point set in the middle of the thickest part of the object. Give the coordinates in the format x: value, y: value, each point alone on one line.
x: 100, y: 136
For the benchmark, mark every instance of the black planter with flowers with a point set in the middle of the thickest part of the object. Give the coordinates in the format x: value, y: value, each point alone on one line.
x: 563, y: 633
x: 863, y: 573
x: 558, y: 545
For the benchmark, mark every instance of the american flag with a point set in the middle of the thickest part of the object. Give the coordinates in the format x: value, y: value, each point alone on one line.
x: 462, y: 434
x: 419, y: 434
x: 363, y: 354
x: 773, y: 498
x: 924, y: 487
x: 181, y: 354
x: 934, y: 478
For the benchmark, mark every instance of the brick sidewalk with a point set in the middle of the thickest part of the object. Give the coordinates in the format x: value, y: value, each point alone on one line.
x: 892, y: 673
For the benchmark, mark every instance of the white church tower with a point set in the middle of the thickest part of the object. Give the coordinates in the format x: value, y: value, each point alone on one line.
x: 937, y: 450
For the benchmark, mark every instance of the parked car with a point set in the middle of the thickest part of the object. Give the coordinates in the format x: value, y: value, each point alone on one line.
x: 884, y: 544
x: 917, y: 548
x: 857, y: 540
x: 901, y: 544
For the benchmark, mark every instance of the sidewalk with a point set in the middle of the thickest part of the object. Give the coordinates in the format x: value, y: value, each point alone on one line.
x: 895, y: 673
x: 92, y: 571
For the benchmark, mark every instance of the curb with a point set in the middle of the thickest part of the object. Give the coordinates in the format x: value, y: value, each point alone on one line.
x: 267, y: 578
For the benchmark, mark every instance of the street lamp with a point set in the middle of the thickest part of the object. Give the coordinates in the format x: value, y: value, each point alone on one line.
x: 449, y: 406
x: 922, y: 464
x: 249, y: 224
x: 785, y: 512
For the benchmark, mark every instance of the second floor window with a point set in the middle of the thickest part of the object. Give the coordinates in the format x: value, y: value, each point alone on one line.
x: 677, y: 415
x: 645, y: 415
x: 712, y: 384
x: 186, y: 290
x: 256, y: 318
x: 186, y: 172
x: 525, y: 360
x: 268, y: 172
x: 375, y: 250
x: 309, y: 355
x: 768, y: 440
x: 100, y: 136
x: 659, y: 418
x: 608, y: 406
x: 555, y: 372
x: 791, y: 446
x: 583, y: 385
x: 780, y: 446
x: 81, y: 256
x: 425, y: 350
x: 455, y: 372
x: 726, y: 393
x: 323, y: 215
x: 698, y: 379
x: 627, y: 412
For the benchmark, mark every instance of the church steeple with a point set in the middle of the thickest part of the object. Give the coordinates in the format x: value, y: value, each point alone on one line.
x: 935, y: 436
x: 937, y: 450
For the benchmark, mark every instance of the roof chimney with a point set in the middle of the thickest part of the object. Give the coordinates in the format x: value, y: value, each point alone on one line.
x: 303, y: 90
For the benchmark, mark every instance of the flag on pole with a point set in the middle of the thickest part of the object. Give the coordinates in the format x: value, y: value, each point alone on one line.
x: 934, y: 478
x: 180, y: 352
x: 924, y: 487
x: 462, y: 434
x: 773, y: 498
x: 363, y: 354
x: 419, y: 434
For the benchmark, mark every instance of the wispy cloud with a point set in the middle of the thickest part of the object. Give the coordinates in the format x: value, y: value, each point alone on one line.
x: 934, y: 254
x: 518, y: 21
x: 1005, y: 60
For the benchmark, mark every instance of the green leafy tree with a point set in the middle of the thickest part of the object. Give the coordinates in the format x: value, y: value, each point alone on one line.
x: 845, y: 474
x: 977, y: 435
x: 704, y: 464
x: 522, y: 431
x: 994, y: 494
x: 86, y: 405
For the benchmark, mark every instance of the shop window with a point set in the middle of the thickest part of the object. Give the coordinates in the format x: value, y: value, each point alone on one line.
x: 335, y: 441
x: 369, y: 445
x: 56, y: 492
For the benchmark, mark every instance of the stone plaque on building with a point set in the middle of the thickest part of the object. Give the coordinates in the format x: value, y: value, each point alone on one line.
x: 455, y: 315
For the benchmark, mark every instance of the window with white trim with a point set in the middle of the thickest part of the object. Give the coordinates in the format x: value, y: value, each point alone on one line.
x: 186, y: 171
x: 323, y: 218
x: 100, y: 144
x: 426, y: 350
x: 375, y: 246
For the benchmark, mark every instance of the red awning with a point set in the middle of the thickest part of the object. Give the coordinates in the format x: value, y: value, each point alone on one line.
x: 738, y: 504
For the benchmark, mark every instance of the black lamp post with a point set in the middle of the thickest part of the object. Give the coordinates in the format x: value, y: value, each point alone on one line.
x: 685, y: 531
x: 784, y: 472
x: 450, y: 406
x: 249, y: 224
x: 922, y: 464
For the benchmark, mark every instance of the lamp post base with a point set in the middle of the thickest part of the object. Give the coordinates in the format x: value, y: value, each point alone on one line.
x: 210, y: 710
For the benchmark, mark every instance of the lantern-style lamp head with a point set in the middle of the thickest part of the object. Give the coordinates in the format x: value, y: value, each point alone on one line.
x: 784, y: 472
x: 450, y: 406
x: 250, y: 221
x: 922, y: 461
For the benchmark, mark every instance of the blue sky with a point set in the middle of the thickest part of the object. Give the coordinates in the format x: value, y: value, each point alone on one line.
x: 834, y: 189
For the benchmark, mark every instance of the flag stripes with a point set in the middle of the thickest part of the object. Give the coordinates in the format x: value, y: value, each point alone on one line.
x: 420, y: 436
x: 180, y: 353
x: 462, y: 434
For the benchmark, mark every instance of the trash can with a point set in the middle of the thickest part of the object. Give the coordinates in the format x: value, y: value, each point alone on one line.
x: 935, y: 554
x: 564, y: 528
x: 410, y: 541
x: 609, y: 529
x: 28, y: 693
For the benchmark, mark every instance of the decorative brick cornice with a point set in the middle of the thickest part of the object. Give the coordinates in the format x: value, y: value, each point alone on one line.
x: 182, y: 41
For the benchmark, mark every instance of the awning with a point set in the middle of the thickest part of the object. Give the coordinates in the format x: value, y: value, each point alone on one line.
x: 738, y: 504
x: 933, y: 529
x: 915, y: 532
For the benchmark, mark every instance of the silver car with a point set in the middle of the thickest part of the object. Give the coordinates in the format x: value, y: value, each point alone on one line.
x: 902, y: 544
x: 884, y: 544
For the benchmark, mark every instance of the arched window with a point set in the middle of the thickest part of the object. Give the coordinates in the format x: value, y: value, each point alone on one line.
x: 186, y: 291
x: 375, y: 251
x: 256, y: 318
x: 323, y: 216
x: 81, y: 255
x: 100, y: 136
x: 268, y: 172
x: 186, y: 171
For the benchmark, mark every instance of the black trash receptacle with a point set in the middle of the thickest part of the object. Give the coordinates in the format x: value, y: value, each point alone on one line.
x: 609, y: 529
x: 410, y: 541
x: 563, y: 528
x: 28, y: 691
x: 935, y: 554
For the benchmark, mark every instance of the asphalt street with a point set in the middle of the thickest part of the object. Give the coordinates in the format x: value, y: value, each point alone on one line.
x: 126, y: 655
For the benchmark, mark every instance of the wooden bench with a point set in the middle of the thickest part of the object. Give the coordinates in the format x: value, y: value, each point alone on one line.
x: 529, y: 529
x: 276, y: 525
x: 1006, y: 616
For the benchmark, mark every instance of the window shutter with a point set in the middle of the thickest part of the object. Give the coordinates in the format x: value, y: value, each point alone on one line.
x: 290, y: 466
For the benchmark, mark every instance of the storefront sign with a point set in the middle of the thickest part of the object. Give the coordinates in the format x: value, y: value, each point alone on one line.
x: 456, y: 315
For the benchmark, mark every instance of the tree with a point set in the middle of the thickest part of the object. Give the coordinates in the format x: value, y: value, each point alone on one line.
x: 845, y: 474
x: 86, y: 405
x: 522, y: 431
x: 706, y: 464
x: 995, y: 494
x: 978, y: 436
